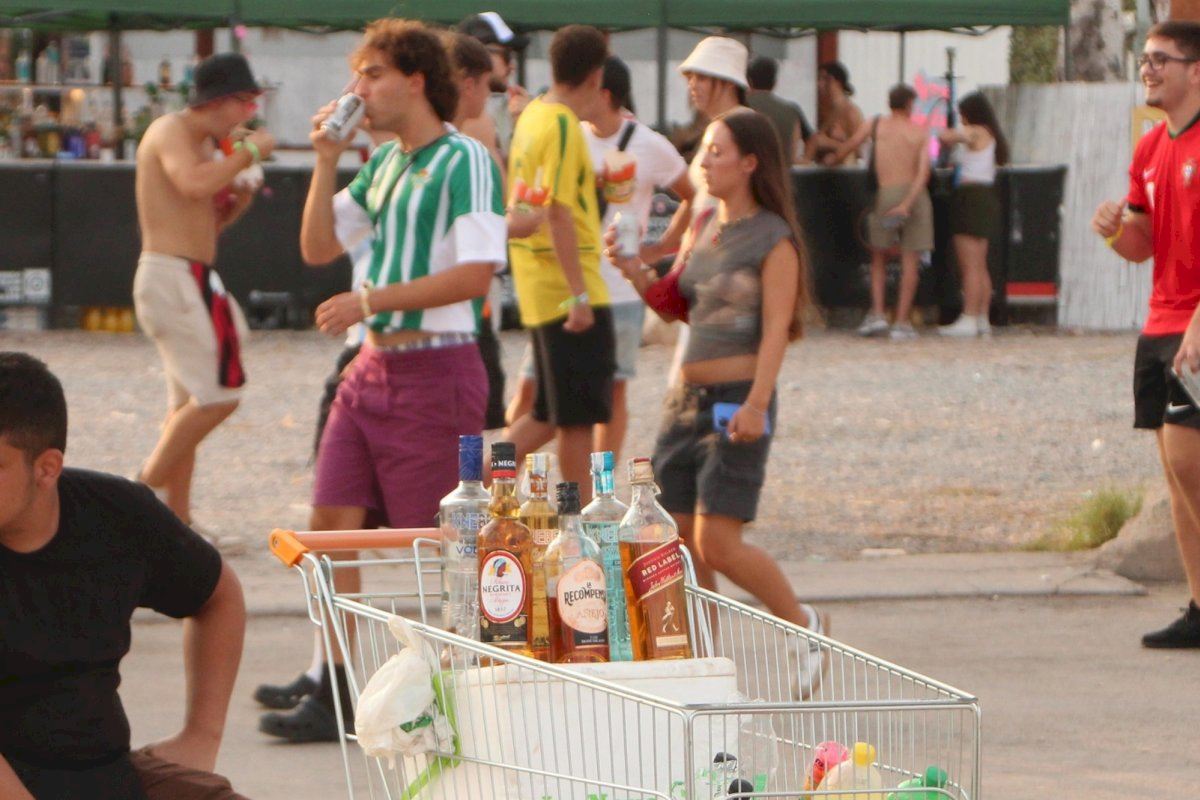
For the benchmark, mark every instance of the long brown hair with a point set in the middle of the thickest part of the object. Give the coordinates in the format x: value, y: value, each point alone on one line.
x: 976, y: 110
x: 753, y: 135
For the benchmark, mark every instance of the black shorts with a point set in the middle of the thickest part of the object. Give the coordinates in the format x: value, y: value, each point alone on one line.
x: 574, y: 372
x: 699, y: 470
x: 1157, y: 396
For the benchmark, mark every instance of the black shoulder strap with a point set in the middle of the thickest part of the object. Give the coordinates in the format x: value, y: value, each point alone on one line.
x: 626, y: 135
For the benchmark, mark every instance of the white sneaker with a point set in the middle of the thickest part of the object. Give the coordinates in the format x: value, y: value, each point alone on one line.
x: 902, y: 332
x: 809, y: 659
x: 985, y: 327
x: 873, y: 325
x: 964, y: 327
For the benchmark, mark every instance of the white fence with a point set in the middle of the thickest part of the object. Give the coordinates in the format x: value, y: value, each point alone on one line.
x: 1086, y: 126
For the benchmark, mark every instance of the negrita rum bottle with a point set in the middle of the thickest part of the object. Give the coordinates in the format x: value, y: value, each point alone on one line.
x: 505, y: 569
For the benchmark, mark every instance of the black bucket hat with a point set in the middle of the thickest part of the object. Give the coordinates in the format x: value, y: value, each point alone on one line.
x: 490, y: 28
x: 220, y: 76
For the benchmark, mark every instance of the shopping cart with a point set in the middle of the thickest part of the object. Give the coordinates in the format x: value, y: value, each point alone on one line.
x: 726, y: 725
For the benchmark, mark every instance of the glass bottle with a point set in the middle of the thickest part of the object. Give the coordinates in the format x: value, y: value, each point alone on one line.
x: 505, y: 549
x: 463, y: 513
x: 538, y: 515
x: 575, y: 588
x: 653, y: 567
x: 601, y: 521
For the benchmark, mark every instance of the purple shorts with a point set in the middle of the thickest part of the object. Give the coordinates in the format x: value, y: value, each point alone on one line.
x: 391, y: 442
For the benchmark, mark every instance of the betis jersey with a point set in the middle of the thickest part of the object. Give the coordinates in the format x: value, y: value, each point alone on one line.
x: 1164, y: 182
x: 428, y: 210
x: 548, y: 147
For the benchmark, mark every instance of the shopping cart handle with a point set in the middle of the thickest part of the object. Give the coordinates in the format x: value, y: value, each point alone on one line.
x: 290, y: 546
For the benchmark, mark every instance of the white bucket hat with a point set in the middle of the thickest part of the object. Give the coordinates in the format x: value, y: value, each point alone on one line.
x: 719, y: 57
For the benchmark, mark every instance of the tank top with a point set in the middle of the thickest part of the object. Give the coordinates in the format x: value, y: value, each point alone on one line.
x: 722, y: 284
x: 977, y: 166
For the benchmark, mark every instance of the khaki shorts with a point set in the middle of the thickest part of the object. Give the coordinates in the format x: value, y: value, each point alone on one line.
x: 173, y: 314
x: 914, y: 234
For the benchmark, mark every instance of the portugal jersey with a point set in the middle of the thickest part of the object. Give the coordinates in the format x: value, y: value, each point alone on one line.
x: 1164, y: 182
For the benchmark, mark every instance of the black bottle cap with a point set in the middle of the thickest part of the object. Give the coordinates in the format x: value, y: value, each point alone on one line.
x: 568, y: 497
x: 504, y: 460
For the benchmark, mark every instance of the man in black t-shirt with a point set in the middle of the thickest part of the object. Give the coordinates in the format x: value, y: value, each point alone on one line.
x: 79, y: 551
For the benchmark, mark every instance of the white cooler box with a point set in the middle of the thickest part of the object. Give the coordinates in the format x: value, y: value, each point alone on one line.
x: 517, y: 717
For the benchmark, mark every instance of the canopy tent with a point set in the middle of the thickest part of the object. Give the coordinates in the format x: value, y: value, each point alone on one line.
x: 777, y: 16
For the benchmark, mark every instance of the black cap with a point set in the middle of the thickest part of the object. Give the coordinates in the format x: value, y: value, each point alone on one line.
x: 568, y: 497
x: 489, y: 28
x: 220, y: 76
x: 504, y: 459
x: 837, y: 71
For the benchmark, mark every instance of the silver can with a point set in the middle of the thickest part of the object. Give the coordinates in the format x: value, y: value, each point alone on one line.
x: 346, y: 115
x: 629, y: 235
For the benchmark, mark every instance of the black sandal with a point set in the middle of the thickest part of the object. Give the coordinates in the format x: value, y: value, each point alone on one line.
x: 285, y: 697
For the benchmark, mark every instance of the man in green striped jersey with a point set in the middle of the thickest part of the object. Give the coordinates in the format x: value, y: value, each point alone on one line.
x: 432, y: 203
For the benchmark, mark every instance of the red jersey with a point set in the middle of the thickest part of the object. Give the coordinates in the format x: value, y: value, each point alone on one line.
x: 1164, y: 182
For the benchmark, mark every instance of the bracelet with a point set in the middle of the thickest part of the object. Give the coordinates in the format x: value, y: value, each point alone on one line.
x: 251, y: 148
x: 572, y: 301
x: 758, y: 411
x: 364, y: 301
x: 1110, y: 240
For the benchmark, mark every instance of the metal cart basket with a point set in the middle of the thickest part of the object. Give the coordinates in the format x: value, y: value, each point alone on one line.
x: 725, y: 725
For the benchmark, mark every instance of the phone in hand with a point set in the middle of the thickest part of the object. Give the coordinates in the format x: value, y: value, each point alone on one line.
x: 723, y: 412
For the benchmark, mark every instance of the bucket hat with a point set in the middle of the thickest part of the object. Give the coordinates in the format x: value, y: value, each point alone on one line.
x: 220, y: 76
x: 718, y: 57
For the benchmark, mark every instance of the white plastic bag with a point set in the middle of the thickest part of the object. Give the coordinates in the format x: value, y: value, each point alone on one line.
x: 397, y: 712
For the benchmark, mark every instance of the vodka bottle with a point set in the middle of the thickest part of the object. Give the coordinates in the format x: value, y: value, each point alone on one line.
x: 463, y: 513
x: 601, y: 521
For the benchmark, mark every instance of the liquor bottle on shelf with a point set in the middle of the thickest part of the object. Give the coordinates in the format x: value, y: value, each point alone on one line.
x: 538, y: 515
x: 505, y: 549
x: 462, y: 514
x: 24, y: 65
x: 601, y: 521
x: 653, y: 566
x: 575, y: 588
x: 164, y: 72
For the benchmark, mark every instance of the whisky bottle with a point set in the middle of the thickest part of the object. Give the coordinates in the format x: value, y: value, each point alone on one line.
x: 653, y: 566
x: 462, y: 514
x: 601, y: 520
x: 538, y: 515
x: 575, y: 587
x: 505, y: 547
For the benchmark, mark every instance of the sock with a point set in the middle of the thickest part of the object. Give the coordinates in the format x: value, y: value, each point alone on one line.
x: 813, y: 616
x: 318, y: 664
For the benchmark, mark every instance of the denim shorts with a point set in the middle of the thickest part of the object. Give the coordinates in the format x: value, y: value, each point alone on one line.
x: 698, y: 469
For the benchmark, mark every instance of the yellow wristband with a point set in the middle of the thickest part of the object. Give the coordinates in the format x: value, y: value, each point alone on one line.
x: 1109, y: 240
x: 364, y: 302
x: 251, y: 148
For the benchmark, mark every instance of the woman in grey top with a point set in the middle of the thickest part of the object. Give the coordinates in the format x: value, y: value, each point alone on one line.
x: 741, y: 283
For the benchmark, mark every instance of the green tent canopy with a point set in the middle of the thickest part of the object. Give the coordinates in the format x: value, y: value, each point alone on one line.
x: 779, y: 16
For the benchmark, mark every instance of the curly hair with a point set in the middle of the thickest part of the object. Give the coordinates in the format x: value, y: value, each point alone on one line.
x: 414, y: 48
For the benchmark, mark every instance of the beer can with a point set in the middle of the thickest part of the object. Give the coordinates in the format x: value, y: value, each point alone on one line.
x: 629, y: 235
x: 346, y: 115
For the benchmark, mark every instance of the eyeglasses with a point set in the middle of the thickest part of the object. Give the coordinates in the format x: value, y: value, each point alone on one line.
x: 1156, y: 61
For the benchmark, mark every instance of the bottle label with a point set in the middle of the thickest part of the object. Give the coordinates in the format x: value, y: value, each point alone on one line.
x: 656, y: 570
x: 583, y: 603
x: 542, y: 537
x: 603, y: 534
x: 502, y: 587
x: 466, y: 526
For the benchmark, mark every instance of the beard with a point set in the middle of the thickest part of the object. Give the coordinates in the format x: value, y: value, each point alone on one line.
x: 497, y: 84
x: 1154, y: 102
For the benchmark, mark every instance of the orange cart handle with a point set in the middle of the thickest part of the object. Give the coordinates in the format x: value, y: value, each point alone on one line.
x: 290, y: 546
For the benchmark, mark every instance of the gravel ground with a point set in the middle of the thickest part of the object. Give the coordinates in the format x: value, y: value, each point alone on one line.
x: 928, y: 446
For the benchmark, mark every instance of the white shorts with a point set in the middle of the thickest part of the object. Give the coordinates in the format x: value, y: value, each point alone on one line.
x: 172, y: 311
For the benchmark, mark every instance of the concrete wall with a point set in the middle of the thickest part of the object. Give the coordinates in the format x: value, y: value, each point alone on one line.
x: 1086, y: 126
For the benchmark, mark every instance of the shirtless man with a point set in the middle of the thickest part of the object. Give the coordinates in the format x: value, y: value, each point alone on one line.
x: 903, y: 214
x: 185, y: 198
x: 840, y: 117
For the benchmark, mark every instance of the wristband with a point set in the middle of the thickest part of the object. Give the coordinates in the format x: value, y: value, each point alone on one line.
x: 251, y: 148
x: 758, y: 411
x: 575, y: 300
x: 364, y: 301
x: 1110, y: 240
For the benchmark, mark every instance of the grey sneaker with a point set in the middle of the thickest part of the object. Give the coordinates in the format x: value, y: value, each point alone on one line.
x: 809, y: 658
x: 873, y: 325
x: 902, y: 332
